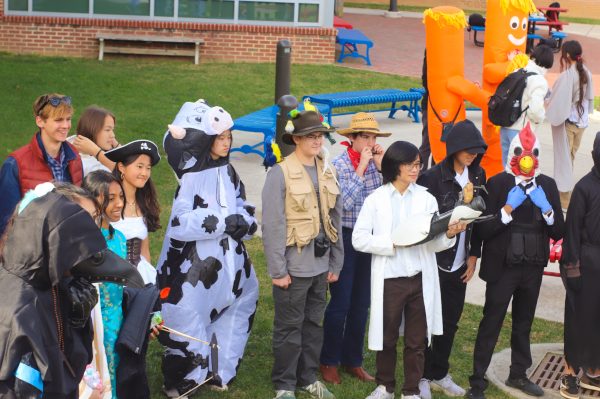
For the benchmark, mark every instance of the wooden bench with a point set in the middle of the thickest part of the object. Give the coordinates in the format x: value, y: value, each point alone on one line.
x: 381, y: 96
x: 120, y: 46
x: 349, y: 39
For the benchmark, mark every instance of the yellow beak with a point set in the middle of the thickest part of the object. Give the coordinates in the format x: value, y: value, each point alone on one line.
x: 526, y: 164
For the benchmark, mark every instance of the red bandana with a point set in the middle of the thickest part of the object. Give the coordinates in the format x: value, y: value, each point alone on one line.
x: 352, y: 154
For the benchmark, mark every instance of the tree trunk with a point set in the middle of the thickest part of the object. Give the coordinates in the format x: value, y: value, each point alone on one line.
x: 339, y: 8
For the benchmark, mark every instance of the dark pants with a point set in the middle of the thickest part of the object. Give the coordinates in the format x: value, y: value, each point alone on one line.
x: 297, y: 331
x: 522, y: 284
x: 425, y: 148
x: 347, y: 311
x: 402, y: 295
x: 453, y: 300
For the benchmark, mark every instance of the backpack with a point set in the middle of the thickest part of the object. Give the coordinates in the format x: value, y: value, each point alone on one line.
x: 504, y: 107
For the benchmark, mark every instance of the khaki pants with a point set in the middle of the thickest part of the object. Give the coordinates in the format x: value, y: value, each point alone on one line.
x: 574, y: 135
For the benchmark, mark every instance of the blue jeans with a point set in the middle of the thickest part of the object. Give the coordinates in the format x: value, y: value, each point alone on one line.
x: 506, y: 137
x: 346, y: 314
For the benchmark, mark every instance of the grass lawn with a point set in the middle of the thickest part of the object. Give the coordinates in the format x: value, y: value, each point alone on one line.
x: 145, y: 96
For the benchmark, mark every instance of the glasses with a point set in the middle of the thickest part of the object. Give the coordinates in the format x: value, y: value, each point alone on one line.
x: 314, y: 137
x: 414, y: 165
x: 54, y: 101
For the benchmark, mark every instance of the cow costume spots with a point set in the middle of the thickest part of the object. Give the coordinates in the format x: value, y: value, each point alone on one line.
x: 207, y: 282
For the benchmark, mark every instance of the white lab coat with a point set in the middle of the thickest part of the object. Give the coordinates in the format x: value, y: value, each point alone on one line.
x: 372, y: 234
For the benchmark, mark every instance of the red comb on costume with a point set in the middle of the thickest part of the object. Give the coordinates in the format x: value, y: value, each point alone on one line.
x: 527, y: 138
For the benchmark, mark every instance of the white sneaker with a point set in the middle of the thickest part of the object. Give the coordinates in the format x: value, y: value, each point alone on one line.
x: 380, y: 393
x: 318, y: 390
x: 172, y: 393
x: 424, y: 389
x: 283, y: 394
x: 410, y: 396
x: 448, y: 386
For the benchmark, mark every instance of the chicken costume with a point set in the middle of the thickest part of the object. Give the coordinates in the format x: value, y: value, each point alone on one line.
x: 207, y: 282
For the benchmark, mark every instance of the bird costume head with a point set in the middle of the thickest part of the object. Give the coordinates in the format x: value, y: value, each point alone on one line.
x: 524, y: 154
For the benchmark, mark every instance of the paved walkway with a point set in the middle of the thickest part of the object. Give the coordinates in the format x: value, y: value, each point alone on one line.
x: 399, y: 44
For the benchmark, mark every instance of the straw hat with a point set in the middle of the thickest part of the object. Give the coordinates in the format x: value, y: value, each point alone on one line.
x: 363, y: 122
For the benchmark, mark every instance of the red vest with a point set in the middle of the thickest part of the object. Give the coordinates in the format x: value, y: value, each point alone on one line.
x: 34, y: 170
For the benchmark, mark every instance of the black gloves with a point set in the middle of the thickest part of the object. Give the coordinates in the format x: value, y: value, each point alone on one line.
x: 83, y: 296
x: 236, y: 226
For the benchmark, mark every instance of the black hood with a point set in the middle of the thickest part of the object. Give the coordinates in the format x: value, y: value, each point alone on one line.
x: 596, y: 152
x: 192, y: 152
x: 462, y: 136
x: 48, y: 238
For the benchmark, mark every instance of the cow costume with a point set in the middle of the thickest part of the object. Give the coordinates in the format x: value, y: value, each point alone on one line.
x: 207, y: 282
x: 525, y: 212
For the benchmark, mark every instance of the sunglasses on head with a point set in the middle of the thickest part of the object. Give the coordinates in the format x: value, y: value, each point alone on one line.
x: 54, y: 101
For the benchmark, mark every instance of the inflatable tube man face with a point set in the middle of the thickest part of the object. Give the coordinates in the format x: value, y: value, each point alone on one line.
x: 524, y: 153
x: 506, y: 26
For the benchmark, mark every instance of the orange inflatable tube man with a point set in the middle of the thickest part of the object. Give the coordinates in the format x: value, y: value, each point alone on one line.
x: 505, y: 36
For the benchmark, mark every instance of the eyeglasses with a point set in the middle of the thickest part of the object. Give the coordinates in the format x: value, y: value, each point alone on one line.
x: 314, y: 137
x: 54, y: 101
x: 414, y: 165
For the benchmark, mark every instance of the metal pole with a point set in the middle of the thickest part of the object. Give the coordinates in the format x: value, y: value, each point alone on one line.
x: 286, y: 104
x: 394, y: 5
x: 283, y: 98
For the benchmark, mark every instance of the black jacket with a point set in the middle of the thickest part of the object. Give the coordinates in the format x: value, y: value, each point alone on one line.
x: 441, y: 183
x: 46, y: 240
x: 132, y: 345
x: 496, y: 235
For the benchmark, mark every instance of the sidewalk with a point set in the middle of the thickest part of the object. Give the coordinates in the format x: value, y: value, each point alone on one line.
x: 399, y: 44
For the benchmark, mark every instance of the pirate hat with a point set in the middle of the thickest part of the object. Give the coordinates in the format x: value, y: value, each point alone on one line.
x: 135, y: 147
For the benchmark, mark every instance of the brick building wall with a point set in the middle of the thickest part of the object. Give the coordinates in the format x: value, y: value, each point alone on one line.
x: 577, y: 8
x: 67, y: 36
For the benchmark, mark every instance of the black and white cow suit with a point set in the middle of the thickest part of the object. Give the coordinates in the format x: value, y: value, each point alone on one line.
x: 207, y: 282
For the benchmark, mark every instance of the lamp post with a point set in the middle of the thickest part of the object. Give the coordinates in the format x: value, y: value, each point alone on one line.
x: 283, y: 99
x: 394, y: 5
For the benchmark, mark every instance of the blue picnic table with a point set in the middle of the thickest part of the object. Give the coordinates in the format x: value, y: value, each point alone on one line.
x: 349, y: 39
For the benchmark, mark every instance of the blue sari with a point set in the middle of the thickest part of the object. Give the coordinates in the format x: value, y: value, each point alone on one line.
x: 111, y: 301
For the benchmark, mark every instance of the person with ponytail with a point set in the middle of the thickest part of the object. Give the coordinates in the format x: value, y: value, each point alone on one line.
x: 567, y: 111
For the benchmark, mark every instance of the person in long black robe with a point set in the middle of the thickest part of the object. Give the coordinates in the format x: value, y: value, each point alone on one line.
x: 43, y: 250
x: 580, y: 270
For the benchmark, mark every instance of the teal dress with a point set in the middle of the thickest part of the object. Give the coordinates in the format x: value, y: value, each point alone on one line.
x: 111, y: 301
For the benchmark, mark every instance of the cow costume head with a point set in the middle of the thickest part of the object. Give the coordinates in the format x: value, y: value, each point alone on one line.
x: 524, y: 154
x: 191, y: 135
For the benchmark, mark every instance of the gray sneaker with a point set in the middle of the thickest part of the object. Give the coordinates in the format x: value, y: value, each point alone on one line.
x: 318, y: 390
x: 380, y: 393
x: 281, y: 394
x: 424, y: 389
x: 449, y: 387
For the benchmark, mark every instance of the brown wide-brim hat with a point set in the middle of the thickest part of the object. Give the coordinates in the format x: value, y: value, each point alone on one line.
x: 363, y: 122
x: 305, y: 123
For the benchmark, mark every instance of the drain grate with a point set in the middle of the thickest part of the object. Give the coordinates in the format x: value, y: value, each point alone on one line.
x: 547, y: 374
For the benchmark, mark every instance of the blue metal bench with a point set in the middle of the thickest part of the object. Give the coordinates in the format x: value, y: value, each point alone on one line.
x: 349, y: 39
x: 262, y: 121
x: 354, y: 98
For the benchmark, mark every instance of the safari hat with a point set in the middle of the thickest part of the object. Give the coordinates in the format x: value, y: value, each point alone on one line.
x: 304, y: 123
x: 363, y: 122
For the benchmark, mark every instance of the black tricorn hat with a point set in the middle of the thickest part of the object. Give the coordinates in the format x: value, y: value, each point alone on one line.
x: 139, y: 147
x: 305, y: 122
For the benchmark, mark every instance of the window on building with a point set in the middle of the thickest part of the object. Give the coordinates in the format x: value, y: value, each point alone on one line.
x: 219, y: 9
x: 266, y: 11
x: 269, y: 11
x: 122, y: 7
x: 308, y: 13
x: 71, y: 6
